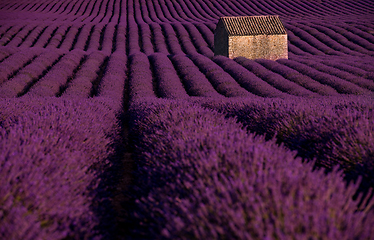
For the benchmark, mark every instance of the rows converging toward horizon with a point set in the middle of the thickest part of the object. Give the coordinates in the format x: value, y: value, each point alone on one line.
x: 87, y: 33
x: 118, y: 121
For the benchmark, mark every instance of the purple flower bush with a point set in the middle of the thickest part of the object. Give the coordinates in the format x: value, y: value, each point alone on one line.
x: 51, y: 157
x: 14, y: 62
x: 82, y: 39
x: 158, y: 38
x: 57, y: 77
x: 184, y: 39
x: 94, y: 39
x: 198, y: 41
x: 112, y: 84
x: 17, y: 38
x: 247, y: 79
x: 311, y: 39
x: 55, y: 41
x: 171, y: 39
x: 304, y: 46
x: 140, y: 77
x: 70, y: 38
x: 221, y: 80
x: 209, y: 178
x: 362, y: 82
x: 44, y: 37
x: 12, y: 31
x: 294, y: 76
x: 168, y: 84
x: 117, y: 121
x: 332, y: 130
x: 206, y: 34
x: 353, y: 68
x: 194, y: 81
x: 82, y: 83
x: 16, y: 85
x: 145, y: 33
x: 340, y: 85
x: 274, y: 79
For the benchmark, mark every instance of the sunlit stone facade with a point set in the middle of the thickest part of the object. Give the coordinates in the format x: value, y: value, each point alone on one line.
x: 252, y: 37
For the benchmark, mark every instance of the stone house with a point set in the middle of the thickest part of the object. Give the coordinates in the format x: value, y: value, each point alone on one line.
x: 252, y: 37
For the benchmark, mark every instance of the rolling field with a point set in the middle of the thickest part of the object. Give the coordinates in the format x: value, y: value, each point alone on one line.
x: 118, y: 122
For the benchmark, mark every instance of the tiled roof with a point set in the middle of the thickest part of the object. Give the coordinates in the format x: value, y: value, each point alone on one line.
x: 253, y: 25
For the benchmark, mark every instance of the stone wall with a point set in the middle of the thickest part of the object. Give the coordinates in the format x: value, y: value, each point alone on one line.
x: 271, y: 47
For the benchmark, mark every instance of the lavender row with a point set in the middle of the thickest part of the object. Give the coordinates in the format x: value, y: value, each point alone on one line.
x: 211, y: 179
x: 140, y: 77
x: 17, y: 38
x: 250, y: 8
x: 304, y: 46
x: 133, y: 38
x: 332, y: 130
x: 18, y: 84
x: 357, y: 68
x: 6, y: 52
x: 71, y: 37
x: 338, y: 37
x: 158, y: 38
x: 184, y: 39
x: 82, y: 83
x: 39, y: 35
x: 338, y: 84
x: 362, y: 82
x: 194, y: 81
x: 85, y: 12
x: 15, y: 62
x: 236, y: 8
x: 193, y: 15
x: 317, y: 40
x: 152, y: 14
x: 280, y: 8
x: 56, y: 78
x: 112, y: 85
x: 192, y: 11
x: 144, y: 12
x: 206, y: 33
x: 45, y: 35
x: 183, y: 11
x: 146, y: 38
x: 221, y: 80
x: 200, y: 44
x: 204, y: 11
x: 274, y: 79
x: 58, y: 37
x: 294, y: 76
x: 159, y: 12
x: 168, y: 10
x: 171, y: 39
x: 93, y: 42
x: 119, y: 39
x: 322, y: 38
x: 81, y: 40
x: 168, y: 84
x: 247, y: 79
x: 53, y: 152
x: 357, y: 30
x: 107, y: 38
x: 355, y: 41
x: 11, y: 33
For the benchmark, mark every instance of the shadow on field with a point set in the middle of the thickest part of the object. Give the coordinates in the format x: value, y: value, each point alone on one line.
x: 113, y: 202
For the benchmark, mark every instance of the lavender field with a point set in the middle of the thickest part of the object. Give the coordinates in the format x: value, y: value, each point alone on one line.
x: 118, y: 122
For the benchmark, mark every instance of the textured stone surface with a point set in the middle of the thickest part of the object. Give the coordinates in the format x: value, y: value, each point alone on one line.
x: 251, y: 37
